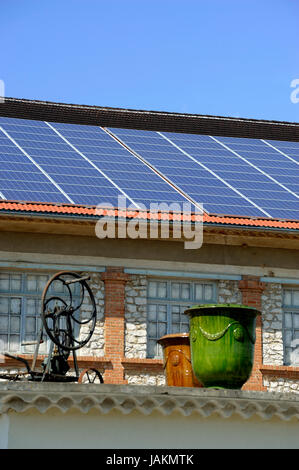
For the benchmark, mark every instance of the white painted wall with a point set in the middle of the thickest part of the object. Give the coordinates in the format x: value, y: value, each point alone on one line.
x: 4, y: 429
x: 115, y: 430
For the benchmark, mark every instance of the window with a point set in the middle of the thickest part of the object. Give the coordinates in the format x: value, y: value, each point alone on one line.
x: 290, y: 326
x: 167, y: 301
x: 20, y: 309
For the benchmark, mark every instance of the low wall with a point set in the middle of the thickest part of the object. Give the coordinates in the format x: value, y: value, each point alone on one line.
x: 144, y: 417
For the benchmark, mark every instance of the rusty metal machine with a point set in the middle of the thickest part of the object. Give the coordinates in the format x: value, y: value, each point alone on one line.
x: 65, y: 328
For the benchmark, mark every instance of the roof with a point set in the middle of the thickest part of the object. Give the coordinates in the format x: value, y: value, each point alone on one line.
x: 149, y: 120
x: 268, y: 199
x: 126, y: 399
x: 87, y: 212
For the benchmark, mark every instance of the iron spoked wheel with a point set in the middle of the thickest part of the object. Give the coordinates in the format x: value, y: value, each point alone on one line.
x: 90, y: 376
x: 61, y: 313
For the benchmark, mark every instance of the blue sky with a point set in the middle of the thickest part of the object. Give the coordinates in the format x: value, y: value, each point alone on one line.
x: 216, y: 57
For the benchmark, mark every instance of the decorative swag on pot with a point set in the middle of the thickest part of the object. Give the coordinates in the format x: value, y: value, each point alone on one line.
x: 222, y: 338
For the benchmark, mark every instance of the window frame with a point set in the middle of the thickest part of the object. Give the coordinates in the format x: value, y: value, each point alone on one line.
x: 169, y: 301
x: 24, y: 294
x: 291, y: 309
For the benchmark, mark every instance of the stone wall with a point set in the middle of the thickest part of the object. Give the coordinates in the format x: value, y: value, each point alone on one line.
x: 272, y: 313
x: 272, y: 324
x: 136, y: 317
x: 95, y: 347
x: 281, y: 385
x: 150, y: 378
x: 228, y: 292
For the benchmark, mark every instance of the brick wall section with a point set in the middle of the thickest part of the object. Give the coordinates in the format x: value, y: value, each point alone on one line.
x: 252, y: 288
x: 115, y: 280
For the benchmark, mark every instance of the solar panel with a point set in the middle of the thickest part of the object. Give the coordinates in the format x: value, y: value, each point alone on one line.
x: 135, y: 179
x: 261, y: 188
x: 201, y: 184
x: 288, y: 149
x: 81, y: 164
x: 65, y: 166
x: 20, y: 179
x: 282, y: 201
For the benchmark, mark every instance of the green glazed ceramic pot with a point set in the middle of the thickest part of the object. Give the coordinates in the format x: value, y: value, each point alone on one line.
x: 222, y: 338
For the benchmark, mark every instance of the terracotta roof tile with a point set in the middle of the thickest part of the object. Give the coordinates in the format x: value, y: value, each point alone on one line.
x: 92, y: 211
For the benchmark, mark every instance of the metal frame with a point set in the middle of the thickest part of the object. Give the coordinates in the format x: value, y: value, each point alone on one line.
x: 291, y: 309
x: 58, y: 324
x: 256, y: 168
x: 24, y: 295
x: 215, y: 174
x: 37, y: 166
x: 91, y: 163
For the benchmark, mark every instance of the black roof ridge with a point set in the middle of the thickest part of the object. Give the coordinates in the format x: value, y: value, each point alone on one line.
x: 166, y: 121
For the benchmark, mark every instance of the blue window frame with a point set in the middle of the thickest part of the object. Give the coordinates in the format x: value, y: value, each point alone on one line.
x: 20, y: 309
x: 166, y: 302
x: 290, y: 326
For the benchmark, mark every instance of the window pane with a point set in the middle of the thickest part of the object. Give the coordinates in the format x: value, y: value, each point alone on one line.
x: 208, y: 292
x: 30, y: 323
x: 57, y: 286
x: 152, y: 313
x: 4, y: 323
x: 183, y: 308
x: 287, y: 298
x: 16, y: 282
x: 152, y: 347
x: 296, y: 320
x: 14, y: 343
x: 152, y: 330
x: 162, y: 313
x: 15, y: 305
x: 162, y: 329
x: 4, y: 305
x: 288, y: 337
x: 175, y: 318
x: 3, y: 343
x: 31, y: 283
x: 294, y: 355
x: 178, y: 296
x: 184, y: 328
x: 175, y: 290
x: 288, y: 320
x: 41, y: 282
x: 296, y: 338
x: 175, y: 309
x: 198, y: 291
x: 15, y: 323
x: 30, y: 307
x: 152, y: 289
x: 4, y: 282
x: 162, y: 290
x: 185, y: 291
x: 296, y: 298
x: 288, y: 355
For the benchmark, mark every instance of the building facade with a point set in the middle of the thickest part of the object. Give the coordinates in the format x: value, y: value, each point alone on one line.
x: 143, y: 285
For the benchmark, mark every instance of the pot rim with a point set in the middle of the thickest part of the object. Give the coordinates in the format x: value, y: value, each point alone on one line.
x: 173, y: 336
x: 223, y: 308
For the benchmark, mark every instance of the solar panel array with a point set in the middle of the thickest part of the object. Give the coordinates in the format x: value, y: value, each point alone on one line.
x: 90, y: 165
